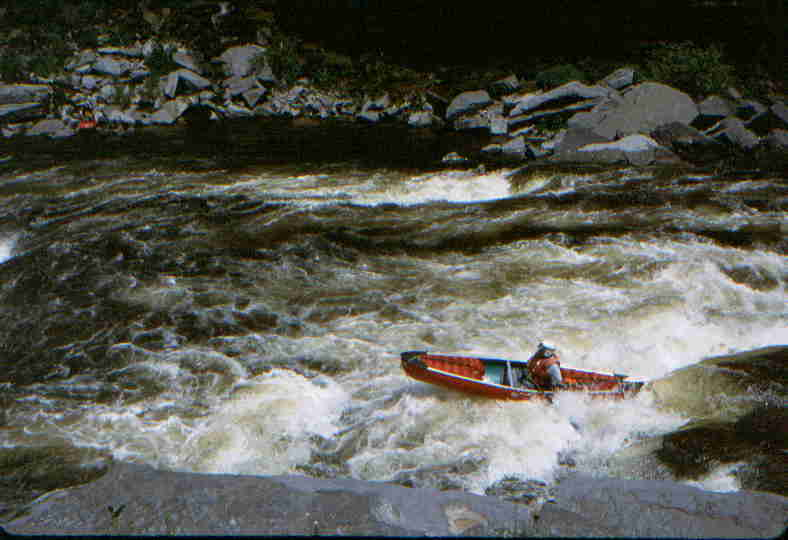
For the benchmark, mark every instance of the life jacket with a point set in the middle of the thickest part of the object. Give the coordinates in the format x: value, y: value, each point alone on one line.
x: 538, y: 366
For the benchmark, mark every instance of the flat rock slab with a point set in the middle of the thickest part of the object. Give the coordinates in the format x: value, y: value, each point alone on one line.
x: 140, y: 500
x: 651, y: 509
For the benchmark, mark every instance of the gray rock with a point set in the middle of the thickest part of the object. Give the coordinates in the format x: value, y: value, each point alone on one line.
x: 638, y: 150
x: 748, y: 109
x: 379, y: 104
x: 619, y: 79
x: 515, y: 148
x: 252, y: 97
x: 689, y: 143
x: 84, y: 58
x: 715, y: 107
x: 777, y: 139
x: 480, y: 119
x: 239, y: 61
x: 139, y: 500
x: 641, y: 109
x: 776, y: 117
x: 467, y: 102
x: 732, y: 131
x: 169, y: 112
x: 420, y: 119
x: 51, y: 127
x: 185, y: 59
x: 569, y: 92
x: 19, y: 112
x: 369, y: 116
x: 643, y: 508
x: 499, y: 125
x: 184, y: 80
x: 453, y: 158
x: 116, y: 115
x: 109, y: 65
x: 24, y: 93
x: 90, y: 82
x: 235, y: 86
x: 505, y: 86
x: 573, y: 138
x: 516, y: 122
x: 134, y: 51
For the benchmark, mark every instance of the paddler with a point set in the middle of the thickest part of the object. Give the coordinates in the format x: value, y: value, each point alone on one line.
x: 544, y: 368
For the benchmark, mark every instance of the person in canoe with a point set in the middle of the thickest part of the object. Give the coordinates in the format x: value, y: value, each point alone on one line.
x: 544, y: 369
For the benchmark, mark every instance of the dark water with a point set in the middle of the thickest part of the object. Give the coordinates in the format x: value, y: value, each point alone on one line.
x: 237, y: 301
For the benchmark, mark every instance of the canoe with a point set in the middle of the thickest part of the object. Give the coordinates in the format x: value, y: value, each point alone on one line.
x: 490, y: 377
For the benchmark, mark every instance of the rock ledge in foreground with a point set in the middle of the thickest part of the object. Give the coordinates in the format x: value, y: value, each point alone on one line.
x: 137, y: 499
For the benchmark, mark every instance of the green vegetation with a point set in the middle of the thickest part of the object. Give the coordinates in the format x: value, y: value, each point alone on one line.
x: 160, y: 60
x: 558, y: 75
x: 694, y: 69
x: 283, y: 57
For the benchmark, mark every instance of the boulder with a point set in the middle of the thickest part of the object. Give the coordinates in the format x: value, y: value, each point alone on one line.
x: 467, y: 102
x: 619, y: 79
x: 641, y: 109
x: 653, y: 509
x: 775, y: 117
x: 139, y: 500
x: 252, y: 97
x: 185, y: 59
x: 516, y: 122
x: 24, y: 93
x: 731, y: 130
x: 51, y: 127
x: 84, y: 58
x: 20, y: 112
x: 573, y: 138
x: 749, y: 109
x: 131, y: 499
x: 481, y: 118
x: 565, y: 94
x: 239, y: 61
x: 777, y: 139
x: 505, y: 86
x: 638, y: 150
x: 235, y: 86
x: 711, y: 110
x: 380, y: 103
x: 184, y: 80
x: 689, y: 143
x: 169, y: 112
x: 133, y: 51
x: 420, y: 119
x: 110, y: 65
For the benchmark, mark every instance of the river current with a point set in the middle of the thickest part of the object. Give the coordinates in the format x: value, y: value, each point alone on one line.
x: 245, y: 314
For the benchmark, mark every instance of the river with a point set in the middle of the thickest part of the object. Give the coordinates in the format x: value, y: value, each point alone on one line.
x: 240, y: 307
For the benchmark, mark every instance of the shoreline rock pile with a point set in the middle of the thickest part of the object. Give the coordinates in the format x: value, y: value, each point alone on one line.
x: 617, y: 120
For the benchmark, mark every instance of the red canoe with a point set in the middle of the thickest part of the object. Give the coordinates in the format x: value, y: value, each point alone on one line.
x: 490, y: 377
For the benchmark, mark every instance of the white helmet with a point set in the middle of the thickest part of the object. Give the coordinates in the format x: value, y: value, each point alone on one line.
x: 544, y: 345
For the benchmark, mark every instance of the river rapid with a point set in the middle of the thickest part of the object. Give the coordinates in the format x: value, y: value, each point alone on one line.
x: 200, y: 308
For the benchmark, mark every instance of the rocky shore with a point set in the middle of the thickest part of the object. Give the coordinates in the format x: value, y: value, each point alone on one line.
x: 618, y: 120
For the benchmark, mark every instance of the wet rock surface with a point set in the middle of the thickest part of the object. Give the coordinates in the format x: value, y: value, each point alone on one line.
x: 137, y: 499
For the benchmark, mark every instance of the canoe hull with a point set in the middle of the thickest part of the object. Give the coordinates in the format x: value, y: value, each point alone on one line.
x: 477, y: 376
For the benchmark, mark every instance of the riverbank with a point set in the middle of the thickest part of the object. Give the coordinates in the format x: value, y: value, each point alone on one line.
x: 126, y: 85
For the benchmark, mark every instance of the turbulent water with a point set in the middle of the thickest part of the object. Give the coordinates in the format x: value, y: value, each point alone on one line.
x: 246, y: 316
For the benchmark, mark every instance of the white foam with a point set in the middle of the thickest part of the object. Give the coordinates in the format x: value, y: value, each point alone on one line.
x: 265, y: 427
x: 445, y: 186
x: 7, y: 244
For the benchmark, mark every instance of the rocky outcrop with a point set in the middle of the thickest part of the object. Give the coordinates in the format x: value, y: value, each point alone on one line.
x: 638, y: 150
x: 139, y: 500
x: 640, y: 109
